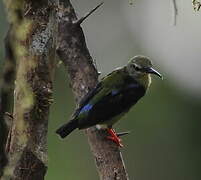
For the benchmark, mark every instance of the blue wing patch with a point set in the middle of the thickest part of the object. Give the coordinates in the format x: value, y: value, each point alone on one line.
x: 114, y: 92
x: 86, y: 108
x: 133, y: 85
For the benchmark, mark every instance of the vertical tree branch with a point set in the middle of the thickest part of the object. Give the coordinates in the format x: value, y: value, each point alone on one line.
x: 6, y: 96
x: 33, y: 48
x: 72, y: 50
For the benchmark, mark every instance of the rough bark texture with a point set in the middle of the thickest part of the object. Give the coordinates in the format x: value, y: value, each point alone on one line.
x: 32, y: 27
x: 33, y: 48
x: 72, y: 50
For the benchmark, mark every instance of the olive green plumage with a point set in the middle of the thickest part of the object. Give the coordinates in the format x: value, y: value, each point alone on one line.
x: 113, y: 96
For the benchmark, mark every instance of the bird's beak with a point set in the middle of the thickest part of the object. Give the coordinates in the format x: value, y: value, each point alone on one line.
x: 153, y: 71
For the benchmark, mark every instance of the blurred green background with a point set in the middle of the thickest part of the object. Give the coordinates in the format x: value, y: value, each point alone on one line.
x: 166, y: 124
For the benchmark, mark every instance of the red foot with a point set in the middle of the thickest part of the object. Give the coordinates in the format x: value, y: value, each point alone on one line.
x: 114, y: 137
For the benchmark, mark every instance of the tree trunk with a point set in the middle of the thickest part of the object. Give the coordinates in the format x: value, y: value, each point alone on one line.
x: 33, y: 48
x: 33, y: 42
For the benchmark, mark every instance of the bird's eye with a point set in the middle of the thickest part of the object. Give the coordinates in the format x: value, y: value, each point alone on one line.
x: 135, y: 67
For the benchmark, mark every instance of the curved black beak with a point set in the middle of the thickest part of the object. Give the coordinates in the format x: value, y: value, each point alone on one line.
x: 153, y: 71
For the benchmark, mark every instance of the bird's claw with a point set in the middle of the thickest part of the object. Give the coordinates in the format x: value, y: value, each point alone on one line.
x: 116, y: 140
x: 114, y: 137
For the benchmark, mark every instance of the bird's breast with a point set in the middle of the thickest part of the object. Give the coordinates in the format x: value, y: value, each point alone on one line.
x: 145, y: 80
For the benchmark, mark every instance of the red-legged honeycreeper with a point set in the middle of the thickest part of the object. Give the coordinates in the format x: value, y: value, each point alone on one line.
x: 113, y: 96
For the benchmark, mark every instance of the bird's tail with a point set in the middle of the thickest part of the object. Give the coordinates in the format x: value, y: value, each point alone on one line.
x: 67, y: 128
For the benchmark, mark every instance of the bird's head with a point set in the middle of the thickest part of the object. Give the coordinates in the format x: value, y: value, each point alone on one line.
x: 140, y: 66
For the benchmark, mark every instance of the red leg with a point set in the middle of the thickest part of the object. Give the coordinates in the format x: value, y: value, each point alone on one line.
x: 114, y: 137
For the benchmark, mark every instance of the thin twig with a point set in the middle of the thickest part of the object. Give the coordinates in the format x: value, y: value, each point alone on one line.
x: 123, y: 133
x: 79, y: 21
x: 175, y: 12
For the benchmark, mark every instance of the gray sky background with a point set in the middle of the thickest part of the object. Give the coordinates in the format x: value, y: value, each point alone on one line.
x: 146, y: 27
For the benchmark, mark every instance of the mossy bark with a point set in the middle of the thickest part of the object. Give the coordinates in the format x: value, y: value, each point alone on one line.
x: 33, y: 48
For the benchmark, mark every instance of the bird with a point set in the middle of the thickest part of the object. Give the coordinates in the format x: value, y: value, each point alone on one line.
x: 112, y: 98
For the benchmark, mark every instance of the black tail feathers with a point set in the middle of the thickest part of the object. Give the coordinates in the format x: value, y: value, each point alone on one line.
x: 67, y: 128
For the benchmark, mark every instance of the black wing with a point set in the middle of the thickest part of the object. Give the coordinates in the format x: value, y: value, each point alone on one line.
x: 86, y: 98
x: 111, y: 105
